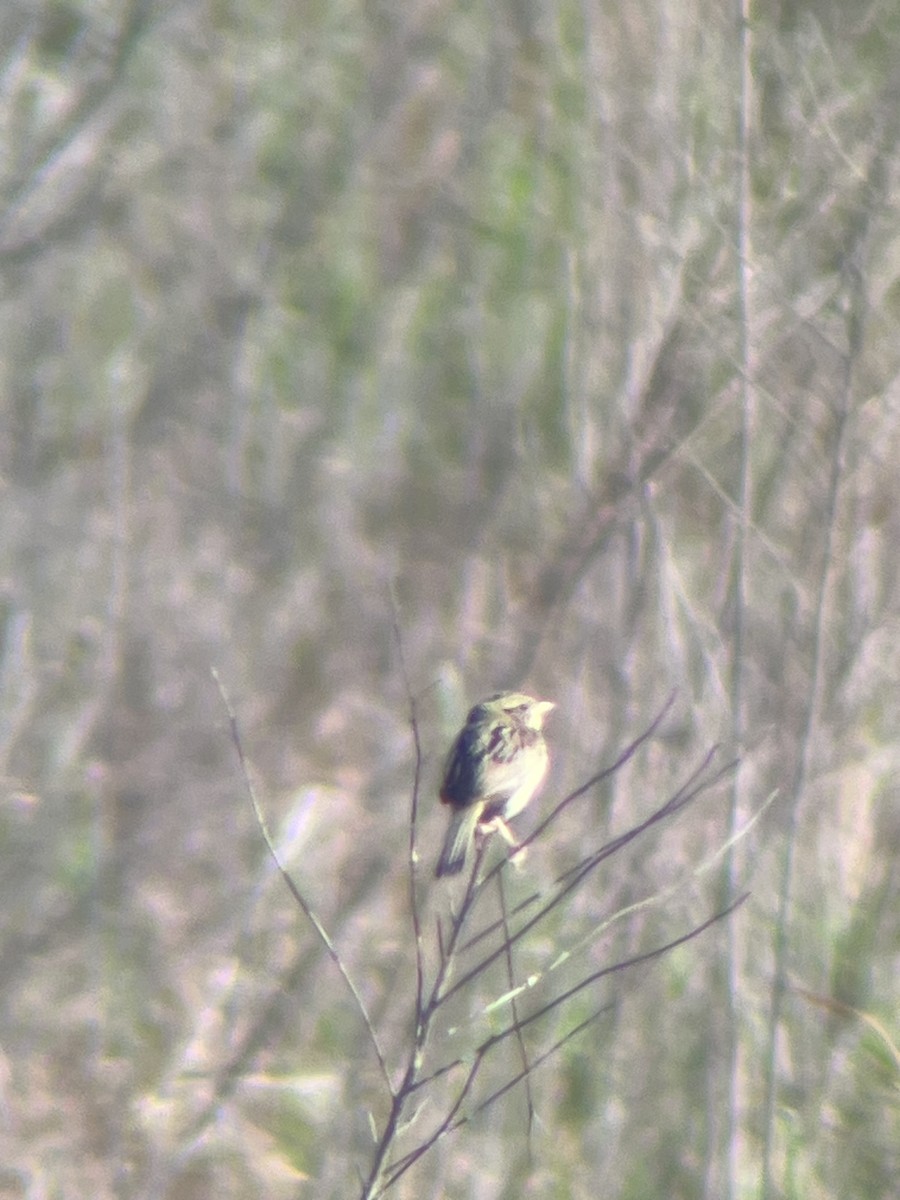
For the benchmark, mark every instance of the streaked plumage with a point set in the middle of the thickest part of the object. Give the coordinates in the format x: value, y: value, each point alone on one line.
x: 495, y: 766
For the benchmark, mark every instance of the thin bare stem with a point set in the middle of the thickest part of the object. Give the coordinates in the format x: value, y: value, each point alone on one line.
x: 292, y: 887
x: 415, y: 914
x: 573, y: 878
x: 855, y: 310
x: 623, y: 758
x: 425, y: 1011
x: 804, y: 760
x: 446, y: 1126
x: 623, y: 965
x: 431, y: 996
x: 582, y: 790
x: 511, y: 981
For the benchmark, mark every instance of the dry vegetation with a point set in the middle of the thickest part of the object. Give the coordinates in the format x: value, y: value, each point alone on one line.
x: 562, y: 337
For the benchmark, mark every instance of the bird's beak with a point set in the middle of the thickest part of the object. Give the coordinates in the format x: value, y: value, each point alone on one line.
x: 542, y: 710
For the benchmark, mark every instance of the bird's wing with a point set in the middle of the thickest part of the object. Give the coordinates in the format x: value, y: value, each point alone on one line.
x: 461, y: 776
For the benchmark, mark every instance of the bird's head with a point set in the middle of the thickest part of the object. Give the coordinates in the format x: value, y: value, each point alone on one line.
x: 524, y: 708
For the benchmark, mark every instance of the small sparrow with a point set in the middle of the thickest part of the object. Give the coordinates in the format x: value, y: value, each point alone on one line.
x: 494, y: 768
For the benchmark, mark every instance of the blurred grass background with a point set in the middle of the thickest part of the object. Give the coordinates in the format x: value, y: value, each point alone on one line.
x: 494, y: 307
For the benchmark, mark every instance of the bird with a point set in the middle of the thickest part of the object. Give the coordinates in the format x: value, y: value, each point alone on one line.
x: 496, y: 764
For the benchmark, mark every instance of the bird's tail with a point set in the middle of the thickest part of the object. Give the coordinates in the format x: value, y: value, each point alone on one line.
x: 460, y: 833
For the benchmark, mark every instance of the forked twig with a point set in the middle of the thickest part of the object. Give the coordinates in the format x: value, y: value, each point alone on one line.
x: 449, y: 943
x: 432, y: 995
x: 513, y: 991
x: 448, y: 1125
x: 573, y: 878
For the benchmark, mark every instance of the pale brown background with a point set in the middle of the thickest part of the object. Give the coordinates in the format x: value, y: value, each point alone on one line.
x: 306, y: 303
